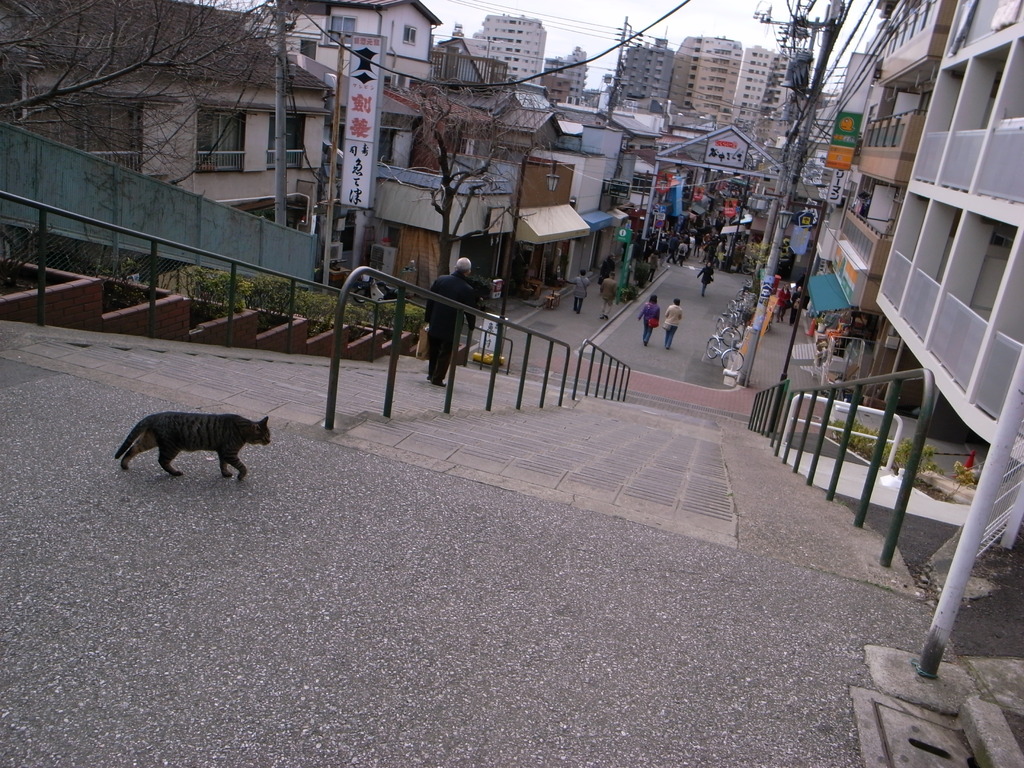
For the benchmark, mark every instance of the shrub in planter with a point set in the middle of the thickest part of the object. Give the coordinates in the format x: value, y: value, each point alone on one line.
x: 118, y: 294
x: 209, y: 290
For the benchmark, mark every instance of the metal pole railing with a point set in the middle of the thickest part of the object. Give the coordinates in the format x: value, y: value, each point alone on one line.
x: 785, y: 432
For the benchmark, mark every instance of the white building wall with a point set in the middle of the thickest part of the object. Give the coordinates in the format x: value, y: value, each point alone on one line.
x: 956, y: 273
x: 516, y: 40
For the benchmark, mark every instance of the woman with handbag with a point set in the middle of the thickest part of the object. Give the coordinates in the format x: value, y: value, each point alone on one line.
x: 650, y: 315
x: 706, y: 276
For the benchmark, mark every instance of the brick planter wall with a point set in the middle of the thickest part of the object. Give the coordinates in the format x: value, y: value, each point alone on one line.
x: 276, y: 339
x: 75, y: 302
x: 216, y: 331
x: 172, y: 319
x: 321, y: 344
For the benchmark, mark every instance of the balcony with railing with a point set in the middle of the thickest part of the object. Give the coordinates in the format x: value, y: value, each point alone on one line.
x: 293, y: 158
x: 999, y: 365
x: 916, y: 41
x: 220, y: 161
x: 453, y: 66
x: 870, y: 240
x: 890, y: 145
x: 957, y: 337
x: 126, y: 159
x: 997, y: 173
x: 918, y: 313
x: 894, y: 281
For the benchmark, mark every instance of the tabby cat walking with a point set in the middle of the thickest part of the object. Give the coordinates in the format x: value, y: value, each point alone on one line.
x: 172, y: 433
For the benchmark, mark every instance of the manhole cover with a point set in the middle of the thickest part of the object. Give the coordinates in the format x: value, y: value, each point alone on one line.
x: 901, y: 735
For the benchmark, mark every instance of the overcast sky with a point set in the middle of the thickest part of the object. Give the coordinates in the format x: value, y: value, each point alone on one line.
x: 595, y: 25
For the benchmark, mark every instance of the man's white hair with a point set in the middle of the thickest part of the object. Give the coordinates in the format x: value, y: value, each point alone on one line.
x: 463, y: 265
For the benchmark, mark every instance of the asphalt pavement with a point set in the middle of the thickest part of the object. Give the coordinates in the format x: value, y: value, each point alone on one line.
x: 597, y: 584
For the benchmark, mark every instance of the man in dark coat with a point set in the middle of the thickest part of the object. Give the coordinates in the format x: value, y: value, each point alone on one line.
x: 441, y: 318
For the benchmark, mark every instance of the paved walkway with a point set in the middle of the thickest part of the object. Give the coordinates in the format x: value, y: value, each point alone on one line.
x: 467, y: 589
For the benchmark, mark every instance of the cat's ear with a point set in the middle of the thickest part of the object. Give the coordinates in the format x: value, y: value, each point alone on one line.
x: 263, y: 422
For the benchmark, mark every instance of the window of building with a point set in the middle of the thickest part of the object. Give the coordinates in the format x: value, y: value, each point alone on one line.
x: 409, y: 36
x: 386, y: 145
x: 220, y: 131
x: 308, y: 48
x: 294, y: 127
x: 338, y: 27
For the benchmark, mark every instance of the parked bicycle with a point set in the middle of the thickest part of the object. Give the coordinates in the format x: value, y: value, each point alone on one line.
x: 729, y: 327
x: 726, y: 351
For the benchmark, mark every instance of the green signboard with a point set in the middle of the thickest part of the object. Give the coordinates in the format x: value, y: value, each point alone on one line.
x: 624, y: 235
x: 846, y: 129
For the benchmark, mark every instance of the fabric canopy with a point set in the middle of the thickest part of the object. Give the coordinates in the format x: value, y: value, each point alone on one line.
x: 732, y: 229
x: 827, y: 294
x: 549, y: 224
x: 597, y: 219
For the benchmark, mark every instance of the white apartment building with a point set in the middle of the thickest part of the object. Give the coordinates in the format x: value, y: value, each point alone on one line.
x: 406, y: 24
x: 516, y: 40
x: 705, y: 73
x: 953, y: 284
x: 759, y: 94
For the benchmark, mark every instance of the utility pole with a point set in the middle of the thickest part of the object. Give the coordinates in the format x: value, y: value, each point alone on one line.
x: 613, y: 95
x: 280, y: 119
x: 793, y: 163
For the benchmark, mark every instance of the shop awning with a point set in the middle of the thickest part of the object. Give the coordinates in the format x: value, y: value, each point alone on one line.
x: 698, y: 208
x: 597, y: 220
x: 618, y: 215
x: 732, y: 229
x: 826, y: 294
x: 550, y: 224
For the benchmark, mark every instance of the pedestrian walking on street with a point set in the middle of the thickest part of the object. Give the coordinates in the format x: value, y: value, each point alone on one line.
x: 650, y: 314
x: 706, y: 275
x: 673, y: 316
x: 607, y: 267
x: 608, y: 291
x: 440, y: 319
x: 783, y: 302
x: 579, y: 292
x: 796, y: 303
x: 673, y: 248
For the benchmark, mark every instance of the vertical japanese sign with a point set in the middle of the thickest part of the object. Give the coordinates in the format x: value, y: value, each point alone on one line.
x: 362, y: 108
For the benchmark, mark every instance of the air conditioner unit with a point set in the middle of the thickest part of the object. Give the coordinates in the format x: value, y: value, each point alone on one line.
x: 382, y: 257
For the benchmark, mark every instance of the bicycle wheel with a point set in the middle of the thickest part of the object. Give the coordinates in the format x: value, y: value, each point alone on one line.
x: 731, y: 334
x: 732, y: 359
x: 713, y: 350
x: 721, y: 323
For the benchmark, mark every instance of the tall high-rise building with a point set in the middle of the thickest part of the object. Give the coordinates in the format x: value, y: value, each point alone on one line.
x: 647, y: 71
x: 704, y: 77
x: 516, y: 40
x: 567, y: 84
x: 758, y: 89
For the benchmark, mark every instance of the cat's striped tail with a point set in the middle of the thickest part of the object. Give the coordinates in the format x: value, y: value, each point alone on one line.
x: 137, y: 430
